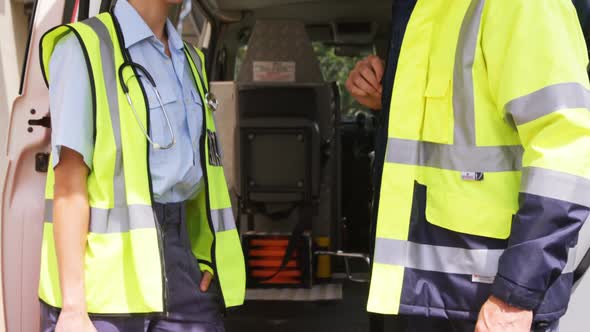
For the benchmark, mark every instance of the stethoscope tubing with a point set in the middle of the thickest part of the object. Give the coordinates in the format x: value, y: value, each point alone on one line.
x: 210, y: 101
x: 142, y: 71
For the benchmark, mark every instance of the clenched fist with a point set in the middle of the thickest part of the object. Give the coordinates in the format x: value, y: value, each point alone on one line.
x: 364, y: 82
x: 497, y: 316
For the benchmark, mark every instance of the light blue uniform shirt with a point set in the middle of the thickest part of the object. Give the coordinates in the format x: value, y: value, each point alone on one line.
x: 176, y: 173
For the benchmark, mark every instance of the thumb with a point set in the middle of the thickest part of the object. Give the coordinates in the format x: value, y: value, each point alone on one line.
x: 206, y: 281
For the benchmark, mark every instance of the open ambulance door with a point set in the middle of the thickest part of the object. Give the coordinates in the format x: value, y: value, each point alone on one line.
x: 26, y: 152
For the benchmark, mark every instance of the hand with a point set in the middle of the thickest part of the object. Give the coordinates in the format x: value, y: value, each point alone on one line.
x: 364, y: 82
x: 206, y: 281
x: 497, y: 316
x: 74, y: 321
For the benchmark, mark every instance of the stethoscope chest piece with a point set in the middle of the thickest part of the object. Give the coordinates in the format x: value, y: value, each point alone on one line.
x: 212, y: 101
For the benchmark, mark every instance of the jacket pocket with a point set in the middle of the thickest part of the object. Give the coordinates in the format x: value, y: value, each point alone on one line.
x: 438, y: 108
x: 475, y: 212
x: 438, y: 96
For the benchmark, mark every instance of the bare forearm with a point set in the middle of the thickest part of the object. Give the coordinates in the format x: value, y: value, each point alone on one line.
x: 71, y: 218
x: 70, y: 226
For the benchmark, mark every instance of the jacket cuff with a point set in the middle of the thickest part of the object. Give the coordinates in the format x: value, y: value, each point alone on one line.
x: 206, y: 267
x: 516, y: 295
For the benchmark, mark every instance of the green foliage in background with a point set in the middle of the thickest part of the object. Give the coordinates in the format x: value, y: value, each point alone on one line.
x: 336, y: 68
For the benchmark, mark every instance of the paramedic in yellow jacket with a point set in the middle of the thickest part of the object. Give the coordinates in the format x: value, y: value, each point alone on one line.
x: 483, y: 163
x: 139, y: 233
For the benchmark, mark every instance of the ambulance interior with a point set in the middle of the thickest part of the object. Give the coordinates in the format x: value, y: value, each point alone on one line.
x: 297, y: 152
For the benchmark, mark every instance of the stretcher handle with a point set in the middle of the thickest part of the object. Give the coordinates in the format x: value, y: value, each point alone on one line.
x: 347, y: 256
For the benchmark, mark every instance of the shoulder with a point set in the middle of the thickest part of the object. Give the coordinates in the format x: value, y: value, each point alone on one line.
x: 540, y: 19
x: 66, y: 62
x: 194, y: 50
x: 528, y: 7
x: 75, y: 39
x: 67, y: 49
x: 67, y: 53
x: 196, y: 54
x: 84, y: 31
x: 68, y: 43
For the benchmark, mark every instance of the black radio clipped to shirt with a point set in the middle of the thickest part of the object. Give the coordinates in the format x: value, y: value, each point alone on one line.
x: 214, y: 149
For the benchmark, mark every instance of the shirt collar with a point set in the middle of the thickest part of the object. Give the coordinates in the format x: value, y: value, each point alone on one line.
x: 174, y: 38
x: 134, y: 28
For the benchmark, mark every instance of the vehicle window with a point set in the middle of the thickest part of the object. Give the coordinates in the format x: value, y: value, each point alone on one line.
x: 240, y: 56
x: 335, y: 68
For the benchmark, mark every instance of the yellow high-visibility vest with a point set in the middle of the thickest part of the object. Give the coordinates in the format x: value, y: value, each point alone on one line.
x: 123, y: 262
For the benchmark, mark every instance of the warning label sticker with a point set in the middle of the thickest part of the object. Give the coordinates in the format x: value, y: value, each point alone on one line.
x: 482, y: 279
x: 274, y: 71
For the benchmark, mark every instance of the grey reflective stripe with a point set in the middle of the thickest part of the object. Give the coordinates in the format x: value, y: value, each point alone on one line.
x: 196, y: 58
x: 436, y: 258
x: 548, y: 100
x: 463, y: 94
x: 223, y: 220
x: 107, y: 56
x: 557, y: 185
x: 424, y: 257
x: 454, y: 157
x: 49, y: 210
x: 121, y: 219
x: 199, y: 65
x: 115, y: 220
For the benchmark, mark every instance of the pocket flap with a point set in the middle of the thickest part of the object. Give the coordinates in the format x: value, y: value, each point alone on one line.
x: 194, y: 96
x: 468, y: 215
x: 166, y: 93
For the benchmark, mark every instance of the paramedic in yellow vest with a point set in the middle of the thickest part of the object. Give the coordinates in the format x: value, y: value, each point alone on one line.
x: 483, y: 163
x: 139, y: 234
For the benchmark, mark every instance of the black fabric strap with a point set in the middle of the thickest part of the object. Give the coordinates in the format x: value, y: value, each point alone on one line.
x: 303, y: 223
x: 105, y: 5
x: 291, y: 246
x: 84, y: 10
x: 582, y: 268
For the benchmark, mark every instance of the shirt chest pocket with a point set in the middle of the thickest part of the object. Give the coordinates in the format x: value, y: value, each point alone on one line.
x: 161, y: 112
x: 439, y: 93
x: 192, y: 98
x: 194, y: 113
x: 194, y: 108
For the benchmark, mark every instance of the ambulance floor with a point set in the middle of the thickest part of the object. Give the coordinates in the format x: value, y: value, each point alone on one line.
x: 347, y: 315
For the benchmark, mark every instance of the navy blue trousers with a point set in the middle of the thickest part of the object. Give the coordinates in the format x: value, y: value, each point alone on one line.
x: 188, y: 308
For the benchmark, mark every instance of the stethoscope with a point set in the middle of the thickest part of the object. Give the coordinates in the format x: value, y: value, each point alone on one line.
x: 211, y: 101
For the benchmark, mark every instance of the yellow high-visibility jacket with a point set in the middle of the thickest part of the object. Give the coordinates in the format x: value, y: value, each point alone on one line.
x: 486, y: 181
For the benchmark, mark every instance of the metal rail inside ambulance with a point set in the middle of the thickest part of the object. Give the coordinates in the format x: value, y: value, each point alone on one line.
x: 297, y: 152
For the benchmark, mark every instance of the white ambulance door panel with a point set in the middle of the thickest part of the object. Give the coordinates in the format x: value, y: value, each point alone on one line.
x: 23, y: 194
